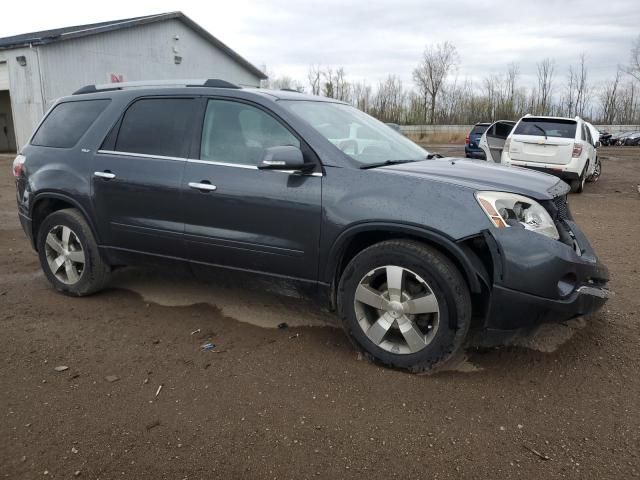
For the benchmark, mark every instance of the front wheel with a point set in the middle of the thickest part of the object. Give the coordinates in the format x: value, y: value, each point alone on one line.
x: 404, y: 305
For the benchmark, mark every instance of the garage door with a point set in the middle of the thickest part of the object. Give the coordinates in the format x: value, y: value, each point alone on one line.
x: 4, y: 76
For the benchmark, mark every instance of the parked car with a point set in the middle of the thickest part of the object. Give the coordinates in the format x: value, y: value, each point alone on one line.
x: 620, y: 137
x: 560, y: 146
x: 605, y: 138
x: 410, y: 252
x: 632, y: 140
x: 471, y: 143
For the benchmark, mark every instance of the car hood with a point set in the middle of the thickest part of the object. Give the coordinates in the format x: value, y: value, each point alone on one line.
x: 481, y: 175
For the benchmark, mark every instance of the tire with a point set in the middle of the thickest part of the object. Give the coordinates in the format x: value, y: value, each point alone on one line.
x: 81, y: 270
x: 577, y: 186
x: 442, y: 331
x: 597, y: 171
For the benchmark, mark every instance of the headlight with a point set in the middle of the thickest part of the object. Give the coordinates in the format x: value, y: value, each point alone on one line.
x: 510, y: 210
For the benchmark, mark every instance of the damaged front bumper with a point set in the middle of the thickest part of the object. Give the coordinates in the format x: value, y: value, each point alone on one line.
x: 537, y: 279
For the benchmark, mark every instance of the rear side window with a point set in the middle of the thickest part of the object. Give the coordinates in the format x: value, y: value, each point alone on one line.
x: 479, y: 129
x: 67, y: 122
x: 547, y: 127
x: 156, y: 126
x: 500, y: 130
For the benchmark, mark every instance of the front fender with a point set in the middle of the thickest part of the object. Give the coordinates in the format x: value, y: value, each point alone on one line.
x: 438, y: 239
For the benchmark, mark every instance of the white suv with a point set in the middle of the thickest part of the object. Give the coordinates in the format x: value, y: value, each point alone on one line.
x: 564, y: 147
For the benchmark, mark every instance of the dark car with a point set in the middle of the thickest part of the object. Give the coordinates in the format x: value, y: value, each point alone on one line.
x: 632, y: 140
x: 410, y: 252
x: 472, y: 141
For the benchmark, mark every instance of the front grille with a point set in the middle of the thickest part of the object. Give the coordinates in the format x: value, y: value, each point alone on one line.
x: 563, y: 207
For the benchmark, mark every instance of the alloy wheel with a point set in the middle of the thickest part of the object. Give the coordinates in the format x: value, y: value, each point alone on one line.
x: 397, y: 309
x: 65, y: 254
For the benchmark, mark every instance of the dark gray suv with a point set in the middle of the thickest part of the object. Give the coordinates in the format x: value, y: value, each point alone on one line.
x: 412, y: 251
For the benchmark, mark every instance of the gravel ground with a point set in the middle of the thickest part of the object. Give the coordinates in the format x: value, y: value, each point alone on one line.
x: 298, y: 402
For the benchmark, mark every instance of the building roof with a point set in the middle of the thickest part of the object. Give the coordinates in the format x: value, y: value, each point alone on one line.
x: 58, y: 34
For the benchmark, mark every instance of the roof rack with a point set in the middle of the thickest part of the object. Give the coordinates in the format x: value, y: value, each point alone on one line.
x: 106, y: 87
x: 290, y: 90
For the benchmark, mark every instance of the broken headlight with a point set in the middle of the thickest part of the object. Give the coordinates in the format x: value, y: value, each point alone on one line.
x: 511, y: 210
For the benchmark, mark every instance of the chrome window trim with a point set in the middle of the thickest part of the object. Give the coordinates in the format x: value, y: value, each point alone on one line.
x: 209, y: 162
x: 141, y: 155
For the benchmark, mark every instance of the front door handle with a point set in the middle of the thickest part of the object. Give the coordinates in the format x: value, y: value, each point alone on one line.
x: 203, y: 186
x: 107, y: 175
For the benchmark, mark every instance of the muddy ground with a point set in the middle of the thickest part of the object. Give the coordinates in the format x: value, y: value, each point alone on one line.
x: 299, y: 403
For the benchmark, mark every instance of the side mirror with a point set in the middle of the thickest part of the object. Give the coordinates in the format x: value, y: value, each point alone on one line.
x: 286, y: 157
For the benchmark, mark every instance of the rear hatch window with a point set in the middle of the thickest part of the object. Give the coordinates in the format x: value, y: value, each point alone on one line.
x: 546, y: 127
x: 67, y: 123
x: 479, y: 129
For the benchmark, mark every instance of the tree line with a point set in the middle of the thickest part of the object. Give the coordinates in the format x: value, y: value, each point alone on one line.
x: 438, y: 96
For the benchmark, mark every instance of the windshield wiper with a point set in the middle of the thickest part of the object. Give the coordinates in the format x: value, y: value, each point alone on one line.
x: 385, y: 163
x: 542, y: 130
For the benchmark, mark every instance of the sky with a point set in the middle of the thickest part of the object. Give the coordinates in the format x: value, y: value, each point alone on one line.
x: 374, y: 38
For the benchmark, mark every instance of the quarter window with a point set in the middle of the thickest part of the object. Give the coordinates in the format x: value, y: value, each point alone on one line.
x: 156, y: 126
x: 235, y: 132
x: 67, y: 122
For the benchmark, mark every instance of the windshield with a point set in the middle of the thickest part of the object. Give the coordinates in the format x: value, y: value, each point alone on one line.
x: 357, y: 134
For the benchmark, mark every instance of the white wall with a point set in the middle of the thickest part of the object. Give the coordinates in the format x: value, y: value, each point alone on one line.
x: 140, y: 53
x: 25, y: 90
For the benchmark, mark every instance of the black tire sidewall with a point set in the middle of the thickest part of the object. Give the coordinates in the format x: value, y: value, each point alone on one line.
x: 93, y: 263
x: 454, y: 316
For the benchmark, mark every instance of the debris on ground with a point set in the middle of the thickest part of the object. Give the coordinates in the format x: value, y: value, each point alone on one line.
x: 158, y: 391
x: 152, y: 425
x: 296, y: 335
x: 197, y: 330
x: 207, y: 346
x: 111, y: 378
x: 537, y: 453
x: 76, y: 473
x: 283, y: 325
x: 74, y: 450
x: 61, y: 368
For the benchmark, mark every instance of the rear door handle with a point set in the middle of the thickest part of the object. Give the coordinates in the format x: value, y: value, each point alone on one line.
x: 107, y: 175
x: 205, y: 186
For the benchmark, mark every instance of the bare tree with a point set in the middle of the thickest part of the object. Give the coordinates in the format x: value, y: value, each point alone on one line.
x: 314, y: 77
x: 429, y: 76
x: 545, y: 85
x: 577, y: 91
x: 634, y: 63
x: 334, y: 84
x: 609, y: 100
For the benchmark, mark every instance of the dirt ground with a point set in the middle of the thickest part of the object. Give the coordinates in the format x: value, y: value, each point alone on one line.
x: 299, y: 403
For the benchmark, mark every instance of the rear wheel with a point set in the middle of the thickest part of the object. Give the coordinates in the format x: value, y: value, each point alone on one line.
x: 597, y: 171
x: 577, y: 186
x: 404, y: 304
x: 69, y: 254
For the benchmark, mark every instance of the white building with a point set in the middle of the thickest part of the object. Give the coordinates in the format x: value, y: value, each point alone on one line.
x: 37, y: 68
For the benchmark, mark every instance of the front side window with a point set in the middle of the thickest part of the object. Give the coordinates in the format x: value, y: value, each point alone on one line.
x: 156, y: 126
x: 357, y: 134
x: 67, y: 122
x: 238, y: 133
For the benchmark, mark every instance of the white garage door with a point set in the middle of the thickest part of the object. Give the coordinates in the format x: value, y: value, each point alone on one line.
x: 4, y: 76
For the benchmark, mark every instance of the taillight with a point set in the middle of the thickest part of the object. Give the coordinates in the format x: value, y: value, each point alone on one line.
x: 18, y: 165
x: 577, y: 150
x: 466, y: 140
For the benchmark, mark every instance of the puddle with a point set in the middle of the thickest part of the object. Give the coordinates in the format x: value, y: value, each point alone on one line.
x: 262, y: 303
x: 549, y: 337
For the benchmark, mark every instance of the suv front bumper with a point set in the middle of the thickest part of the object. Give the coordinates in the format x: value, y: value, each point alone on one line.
x: 537, y: 279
